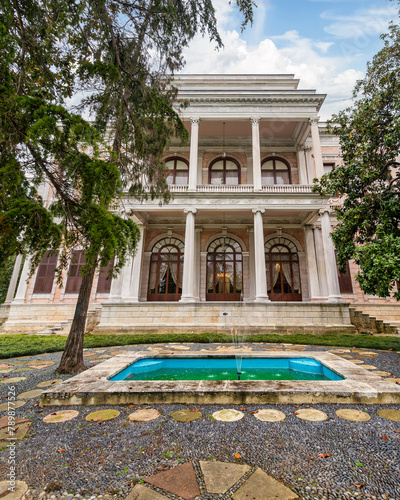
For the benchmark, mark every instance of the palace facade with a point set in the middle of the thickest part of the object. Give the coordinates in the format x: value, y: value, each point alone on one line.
x: 244, y: 243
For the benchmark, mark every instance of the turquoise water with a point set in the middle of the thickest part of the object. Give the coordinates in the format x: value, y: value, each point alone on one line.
x: 226, y: 369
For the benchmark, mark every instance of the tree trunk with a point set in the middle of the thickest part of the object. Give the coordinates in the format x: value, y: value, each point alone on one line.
x: 72, y: 358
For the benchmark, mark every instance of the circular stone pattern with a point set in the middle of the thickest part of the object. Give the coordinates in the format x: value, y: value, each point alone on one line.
x: 228, y: 415
x: 186, y: 415
x: 311, y: 415
x: 270, y: 416
x: 390, y: 414
x: 48, y: 383
x: 12, y: 380
x: 30, y: 394
x: 60, y: 416
x: 102, y: 415
x: 353, y: 415
x: 144, y: 415
x: 20, y: 489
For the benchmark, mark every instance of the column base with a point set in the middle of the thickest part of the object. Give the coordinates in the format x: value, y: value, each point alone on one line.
x: 335, y: 298
x: 263, y: 299
x: 18, y: 301
x: 187, y: 299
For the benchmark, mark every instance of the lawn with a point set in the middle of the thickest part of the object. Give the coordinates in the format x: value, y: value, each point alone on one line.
x: 24, y: 345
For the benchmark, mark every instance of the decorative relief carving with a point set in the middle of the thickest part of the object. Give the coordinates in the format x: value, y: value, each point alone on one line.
x: 195, y: 120
x: 313, y: 120
x: 255, y: 120
x: 255, y: 210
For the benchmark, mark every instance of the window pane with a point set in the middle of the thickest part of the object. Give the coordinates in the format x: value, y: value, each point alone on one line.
x: 217, y: 177
x: 170, y: 165
x: 170, y: 179
x: 279, y: 165
x: 268, y: 165
x: 230, y: 165
x: 232, y: 177
x: 267, y: 177
x: 181, y: 177
x: 282, y: 177
x: 219, y: 165
x: 181, y: 165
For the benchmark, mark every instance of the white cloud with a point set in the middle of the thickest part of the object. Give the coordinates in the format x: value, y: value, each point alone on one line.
x: 308, y: 60
x: 362, y: 23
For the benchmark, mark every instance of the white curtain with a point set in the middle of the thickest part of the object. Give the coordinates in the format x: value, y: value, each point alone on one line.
x: 286, y: 272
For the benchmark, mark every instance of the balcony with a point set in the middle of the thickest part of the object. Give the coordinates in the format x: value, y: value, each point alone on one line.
x: 244, y: 188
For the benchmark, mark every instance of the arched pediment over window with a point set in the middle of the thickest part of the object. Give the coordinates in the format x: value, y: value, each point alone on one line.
x: 177, y: 171
x: 275, y: 170
x: 224, y: 171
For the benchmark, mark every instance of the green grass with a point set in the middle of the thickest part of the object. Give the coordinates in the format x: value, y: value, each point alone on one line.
x: 24, y: 345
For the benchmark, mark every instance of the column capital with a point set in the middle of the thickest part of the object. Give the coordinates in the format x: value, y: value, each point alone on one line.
x: 255, y: 210
x: 255, y: 120
x: 302, y: 147
x: 194, y: 120
x: 313, y: 120
x: 190, y: 209
x: 325, y: 210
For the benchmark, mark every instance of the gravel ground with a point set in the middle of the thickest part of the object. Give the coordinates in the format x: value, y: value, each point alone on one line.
x: 93, y: 459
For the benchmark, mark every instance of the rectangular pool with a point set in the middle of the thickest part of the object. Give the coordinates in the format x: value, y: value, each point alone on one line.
x: 227, y: 368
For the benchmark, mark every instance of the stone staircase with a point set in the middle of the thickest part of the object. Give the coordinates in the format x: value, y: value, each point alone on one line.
x: 376, y: 318
x: 63, y: 328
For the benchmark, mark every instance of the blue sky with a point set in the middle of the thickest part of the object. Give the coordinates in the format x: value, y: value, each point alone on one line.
x: 325, y: 43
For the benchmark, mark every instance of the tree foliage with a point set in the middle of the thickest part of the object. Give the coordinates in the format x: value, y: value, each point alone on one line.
x: 368, y: 229
x: 112, y: 60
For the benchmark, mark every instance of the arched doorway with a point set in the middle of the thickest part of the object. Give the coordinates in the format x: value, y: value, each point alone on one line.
x: 166, y: 266
x: 283, y: 272
x: 224, y: 270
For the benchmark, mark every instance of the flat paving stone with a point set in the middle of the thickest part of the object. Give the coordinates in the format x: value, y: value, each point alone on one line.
x: 260, y: 486
x: 30, y: 394
x: 6, y: 370
x: 12, y: 380
x: 40, y: 367
x: 4, y: 365
x: 4, y: 421
x: 180, y: 481
x: 370, y: 367
x: 48, y: 383
x: 20, y: 489
x: 220, y: 476
x: 40, y: 363
x: 144, y: 415
x: 381, y: 373
x: 389, y: 414
x: 311, y: 415
x: 140, y: 492
x: 60, y: 416
x: 13, y: 405
x: 17, y: 433
x: 186, y: 415
x: 357, y: 361
x: 353, y: 415
x: 102, y: 415
x: 270, y: 415
x: 228, y: 415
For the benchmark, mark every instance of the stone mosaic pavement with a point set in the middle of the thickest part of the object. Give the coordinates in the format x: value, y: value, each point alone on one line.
x: 146, y: 452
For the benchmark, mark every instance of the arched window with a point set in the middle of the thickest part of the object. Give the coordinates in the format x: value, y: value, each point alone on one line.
x: 283, y: 272
x: 224, y: 270
x: 177, y: 171
x: 275, y: 171
x: 166, y: 266
x: 224, y: 171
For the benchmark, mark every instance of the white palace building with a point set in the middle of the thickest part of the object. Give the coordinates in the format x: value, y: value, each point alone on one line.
x: 244, y: 243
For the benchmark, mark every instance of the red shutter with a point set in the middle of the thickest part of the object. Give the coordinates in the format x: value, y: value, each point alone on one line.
x: 74, y: 278
x: 104, y: 284
x: 45, y: 274
x: 345, y: 280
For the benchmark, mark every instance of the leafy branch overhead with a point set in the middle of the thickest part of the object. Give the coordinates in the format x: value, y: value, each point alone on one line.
x: 368, y: 229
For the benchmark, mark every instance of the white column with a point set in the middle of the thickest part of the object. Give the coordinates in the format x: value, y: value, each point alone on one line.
x: 311, y: 263
x: 259, y: 257
x: 309, y: 165
x: 14, y: 279
x: 323, y: 284
x: 23, y: 282
x: 255, y: 137
x: 319, y: 166
x: 301, y: 164
x: 197, y: 264
x: 189, y: 257
x: 194, y: 152
x: 132, y: 278
x: 252, y: 271
x: 117, y: 283
x: 330, y: 259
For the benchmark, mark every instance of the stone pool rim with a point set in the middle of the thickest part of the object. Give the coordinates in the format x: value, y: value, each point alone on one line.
x: 92, y: 386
